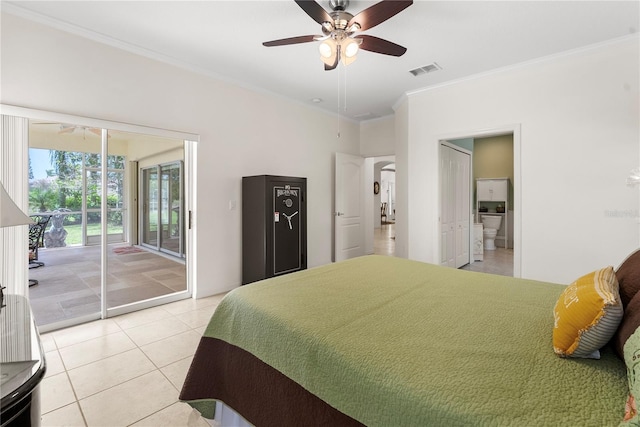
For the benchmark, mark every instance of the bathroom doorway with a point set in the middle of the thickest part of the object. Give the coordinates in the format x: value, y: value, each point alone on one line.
x: 494, y: 154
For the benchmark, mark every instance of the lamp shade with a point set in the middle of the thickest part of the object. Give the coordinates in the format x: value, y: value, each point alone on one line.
x: 10, y: 214
x: 634, y: 177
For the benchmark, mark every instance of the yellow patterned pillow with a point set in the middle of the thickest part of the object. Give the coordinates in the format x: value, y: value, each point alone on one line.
x: 587, y: 315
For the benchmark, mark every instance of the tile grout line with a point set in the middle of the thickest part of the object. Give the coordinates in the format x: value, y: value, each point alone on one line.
x: 171, y: 316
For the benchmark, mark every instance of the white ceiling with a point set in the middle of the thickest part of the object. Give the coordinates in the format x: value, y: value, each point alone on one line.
x: 224, y: 39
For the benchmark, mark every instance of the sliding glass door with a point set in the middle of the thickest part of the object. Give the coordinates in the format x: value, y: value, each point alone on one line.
x: 116, y: 201
x: 162, y: 208
x: 140, y: 271
x: 86, y: 179
x: 150, y: 203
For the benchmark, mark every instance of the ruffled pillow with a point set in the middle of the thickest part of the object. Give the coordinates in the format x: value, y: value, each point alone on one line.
x: 587, y: 315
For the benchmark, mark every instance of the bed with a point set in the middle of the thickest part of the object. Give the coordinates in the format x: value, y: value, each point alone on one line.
x: 383, y: 341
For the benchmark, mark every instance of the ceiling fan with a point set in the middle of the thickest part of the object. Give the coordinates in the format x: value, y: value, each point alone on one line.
x: 341, y: 39
x: 68, y: 129
x: 73, y: 128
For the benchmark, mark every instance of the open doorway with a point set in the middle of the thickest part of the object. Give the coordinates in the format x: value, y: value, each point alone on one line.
x: 492, y: 161
x: 384, y: 206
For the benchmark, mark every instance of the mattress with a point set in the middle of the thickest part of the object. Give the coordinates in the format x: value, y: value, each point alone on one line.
x: 385, y: 341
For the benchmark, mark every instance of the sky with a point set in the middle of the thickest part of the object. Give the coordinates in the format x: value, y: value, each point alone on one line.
x: 39, y: 162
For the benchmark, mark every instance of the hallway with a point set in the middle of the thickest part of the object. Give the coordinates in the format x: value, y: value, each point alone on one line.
x: 384, y: 239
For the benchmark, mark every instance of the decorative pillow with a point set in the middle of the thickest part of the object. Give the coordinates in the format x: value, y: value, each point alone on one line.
x: 587, y: 315
x: 628, y: 275
x: 627, y: 344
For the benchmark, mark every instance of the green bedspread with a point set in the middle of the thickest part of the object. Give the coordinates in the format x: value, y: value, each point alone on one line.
x: 394, y: 342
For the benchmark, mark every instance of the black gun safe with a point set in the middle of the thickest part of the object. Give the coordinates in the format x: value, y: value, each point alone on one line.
x: 274, y: 226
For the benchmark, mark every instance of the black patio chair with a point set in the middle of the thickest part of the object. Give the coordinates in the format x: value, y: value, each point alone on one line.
x: 44, y: 220
x: 36, y: 238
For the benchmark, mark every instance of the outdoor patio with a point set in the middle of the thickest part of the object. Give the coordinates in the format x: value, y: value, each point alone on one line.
x: 69, y: 282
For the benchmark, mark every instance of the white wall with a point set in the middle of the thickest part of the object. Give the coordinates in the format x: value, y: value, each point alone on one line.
x: 241, y: 132
x: 580, y: 136
x: 401, y: 148
x: 377, y: 137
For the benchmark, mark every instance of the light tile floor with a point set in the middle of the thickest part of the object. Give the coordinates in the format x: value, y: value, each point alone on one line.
x: 124, y: 371
x: 498, y: 261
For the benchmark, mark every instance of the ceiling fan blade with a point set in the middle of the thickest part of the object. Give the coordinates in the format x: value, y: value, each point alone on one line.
x: 291, y: 40
x: 315, y: 11
x: 69, y: 129
x: 378, y: 13
x: 378, y: 45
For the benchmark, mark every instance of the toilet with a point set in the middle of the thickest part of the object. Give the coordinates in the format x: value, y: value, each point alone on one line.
x: 491, y: 225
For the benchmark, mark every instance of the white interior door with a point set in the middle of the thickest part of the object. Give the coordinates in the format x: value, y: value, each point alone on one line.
x: 455, y: 204
x: 462, y: 167
x: 349, y: 207
x: 447, y: 200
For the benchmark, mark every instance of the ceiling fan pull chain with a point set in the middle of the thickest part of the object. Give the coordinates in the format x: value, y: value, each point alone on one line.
x: 339, y: 99
x: 344, y: 87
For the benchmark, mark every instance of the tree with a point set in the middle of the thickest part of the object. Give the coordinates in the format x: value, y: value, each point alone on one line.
x: 42, y: 196
x: 68, y: 167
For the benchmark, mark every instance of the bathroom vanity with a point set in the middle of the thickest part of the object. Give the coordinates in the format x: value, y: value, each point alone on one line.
x: 492, y: 194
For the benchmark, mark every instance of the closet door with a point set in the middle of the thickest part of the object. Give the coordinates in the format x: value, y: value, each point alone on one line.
x: 462, y: 165
x: 447, y: 208
x: 455, y: 202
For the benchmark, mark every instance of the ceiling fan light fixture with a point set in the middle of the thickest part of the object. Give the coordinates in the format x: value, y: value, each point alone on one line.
x: 350, y: 47
x: 328, y: 52
x: 353, y: 28
x: 327, y: 48
x: 346, y: 60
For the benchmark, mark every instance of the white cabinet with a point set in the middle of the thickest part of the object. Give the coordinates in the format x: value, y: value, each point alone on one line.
x: 494, y: 192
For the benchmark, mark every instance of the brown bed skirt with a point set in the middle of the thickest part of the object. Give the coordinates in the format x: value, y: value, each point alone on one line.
x: 261, y: 394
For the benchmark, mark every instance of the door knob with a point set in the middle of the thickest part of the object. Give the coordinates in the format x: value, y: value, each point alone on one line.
x: 338, y: 213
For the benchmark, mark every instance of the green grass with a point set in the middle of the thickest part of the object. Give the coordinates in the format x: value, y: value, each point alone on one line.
x: 74, y: 232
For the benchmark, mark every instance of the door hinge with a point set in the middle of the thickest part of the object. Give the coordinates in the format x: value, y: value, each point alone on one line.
x: 190, y: 220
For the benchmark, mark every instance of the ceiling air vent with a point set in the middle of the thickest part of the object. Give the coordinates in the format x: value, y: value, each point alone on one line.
x: 425, y: 69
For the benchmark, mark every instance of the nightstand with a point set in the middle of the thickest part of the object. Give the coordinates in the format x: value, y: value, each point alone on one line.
x: 22, y: 364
